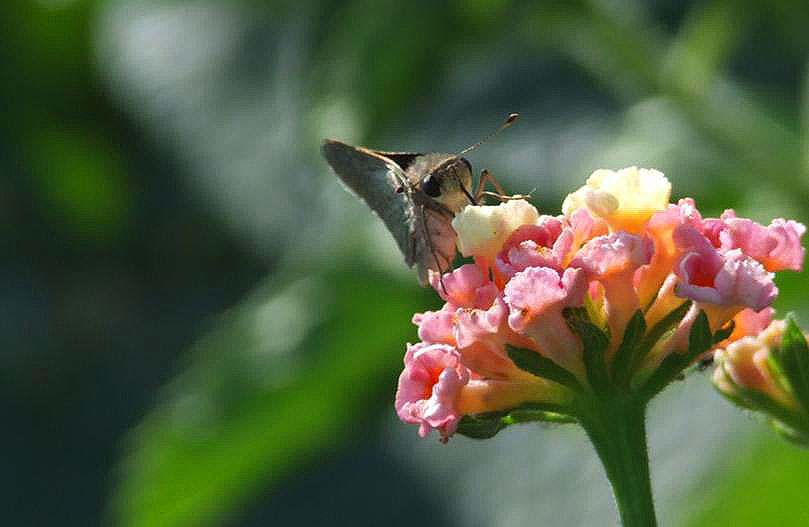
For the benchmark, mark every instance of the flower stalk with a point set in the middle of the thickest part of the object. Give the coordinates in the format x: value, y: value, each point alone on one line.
x: 617, y: 429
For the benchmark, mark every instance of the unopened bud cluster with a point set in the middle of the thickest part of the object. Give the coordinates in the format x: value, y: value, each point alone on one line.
x: 769, y: 373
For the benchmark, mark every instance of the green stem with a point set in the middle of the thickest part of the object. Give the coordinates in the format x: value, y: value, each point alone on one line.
x: 617, y: 429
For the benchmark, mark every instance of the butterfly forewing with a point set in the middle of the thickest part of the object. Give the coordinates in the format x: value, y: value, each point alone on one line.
x: 376, y: 178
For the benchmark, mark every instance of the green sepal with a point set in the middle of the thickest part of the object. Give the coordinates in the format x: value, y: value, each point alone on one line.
x: 633, y: 335
x: 724, y: 332
x: 737, y: 397
x: 663, y: 326
x: 535, y: 411
x: 594, y: 343
x: 481, y: 426
x: 793, y: 426
x: 700, y: 340
x: 535, y: 364
x: 486, y: 425
x: 793, y: 359
x: 790, y: 434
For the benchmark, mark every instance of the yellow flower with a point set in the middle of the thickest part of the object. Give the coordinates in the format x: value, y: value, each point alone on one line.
x: 625, y: 199
x: 482, y: 229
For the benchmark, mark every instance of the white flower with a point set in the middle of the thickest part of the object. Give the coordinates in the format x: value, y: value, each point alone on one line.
x: 482, y: 229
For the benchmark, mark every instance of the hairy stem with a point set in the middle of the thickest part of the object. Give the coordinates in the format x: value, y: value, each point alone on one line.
x: 617, y: 429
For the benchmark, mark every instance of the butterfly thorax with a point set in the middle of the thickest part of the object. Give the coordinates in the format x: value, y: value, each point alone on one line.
x: 445, y: 178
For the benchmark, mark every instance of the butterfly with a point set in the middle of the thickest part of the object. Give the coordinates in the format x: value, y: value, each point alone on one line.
x: 416, y: 195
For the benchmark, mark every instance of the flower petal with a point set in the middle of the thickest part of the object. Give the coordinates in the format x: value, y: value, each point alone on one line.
x: 429, y: 387
x: 536, y: 297
x: 625, y: 199
x: 466, y: 286
x: 482, y: 229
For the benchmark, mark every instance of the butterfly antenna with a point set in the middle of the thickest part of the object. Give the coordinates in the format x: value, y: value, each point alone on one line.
x: 508, y: 122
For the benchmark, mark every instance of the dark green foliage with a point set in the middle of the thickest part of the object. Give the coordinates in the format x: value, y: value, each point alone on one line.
x: 794, y: 358
x: 724, y: 332
x: 536, y: 364
x: 484, y: 426
x: 633, y: 335
x: 594, y: 343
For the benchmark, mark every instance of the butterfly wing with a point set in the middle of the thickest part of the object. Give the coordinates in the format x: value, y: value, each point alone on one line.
x: 375, y: 179
x: 435, y: 237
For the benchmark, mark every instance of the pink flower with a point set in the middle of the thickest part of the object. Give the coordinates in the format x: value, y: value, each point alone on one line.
x: 749, y: 323
x: 436, y: 389
x: 466, y: 286
x: 612, y: 260
x: 730, y: 280
x: 544, y: 245
x: 473, y: 325
x: 777, y: 247
x: 429, y: 387
x: 481, y: 337
x: 437, y: 327
x: 650, y: 278
x: 536, y: 297
x: 585, y: 227
x: 788, y: 252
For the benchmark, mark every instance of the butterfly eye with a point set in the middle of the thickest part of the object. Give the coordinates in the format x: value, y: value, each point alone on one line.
x: 468, y: 164
x: 430, y: 186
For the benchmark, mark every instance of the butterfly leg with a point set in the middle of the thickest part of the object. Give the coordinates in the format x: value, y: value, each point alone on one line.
x: 486, y: 176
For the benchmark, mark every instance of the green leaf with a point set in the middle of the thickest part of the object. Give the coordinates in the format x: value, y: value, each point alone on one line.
x: 763, y: 487
x: 794, y: 359
x: 668, y: 322
x: 537, y: 411
x: 484, y: 426
x: 666, y: 372
x: 792, y: 425
x: 289, y: 373
x: 633, y: 335
x: 700, y: 339
x: 535, y: 364
x: 594, y: 342
x: 476, y: 427
x: 724, y: 332
x: 663, y: 326
x: 554, y: 417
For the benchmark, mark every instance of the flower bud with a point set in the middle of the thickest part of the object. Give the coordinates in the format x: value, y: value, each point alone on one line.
x: 769, y: 373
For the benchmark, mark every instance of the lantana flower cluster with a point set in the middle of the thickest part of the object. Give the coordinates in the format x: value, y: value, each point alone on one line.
x: 621, y: 254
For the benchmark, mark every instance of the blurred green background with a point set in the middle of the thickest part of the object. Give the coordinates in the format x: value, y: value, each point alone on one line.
x: 202, y: 328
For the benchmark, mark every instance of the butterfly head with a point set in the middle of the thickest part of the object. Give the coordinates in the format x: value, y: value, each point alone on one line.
x: 449, y: 183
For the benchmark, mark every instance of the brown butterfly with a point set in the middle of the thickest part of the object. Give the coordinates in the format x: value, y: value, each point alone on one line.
x: 415, y: 194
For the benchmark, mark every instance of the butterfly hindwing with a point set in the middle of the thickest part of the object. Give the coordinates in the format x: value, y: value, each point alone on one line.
x: 434, y: 238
